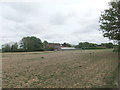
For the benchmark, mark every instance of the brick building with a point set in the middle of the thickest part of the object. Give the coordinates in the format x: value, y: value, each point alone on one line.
x: 55, y: 46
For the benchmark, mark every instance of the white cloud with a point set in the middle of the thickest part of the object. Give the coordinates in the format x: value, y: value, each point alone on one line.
x: 53, y: 20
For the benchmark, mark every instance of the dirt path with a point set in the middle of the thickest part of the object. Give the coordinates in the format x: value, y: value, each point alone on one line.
x: 75, y: 69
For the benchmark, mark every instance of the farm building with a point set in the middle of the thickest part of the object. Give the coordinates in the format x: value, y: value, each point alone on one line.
x: 58, y: 47
x: 68, y: 48
x: 55, y: 46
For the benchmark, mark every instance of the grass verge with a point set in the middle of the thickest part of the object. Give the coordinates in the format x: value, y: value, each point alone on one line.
x: 111, y: 82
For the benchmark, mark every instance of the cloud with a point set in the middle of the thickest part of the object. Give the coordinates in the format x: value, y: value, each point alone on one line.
x: 60, y: 19
x: 52, y: 20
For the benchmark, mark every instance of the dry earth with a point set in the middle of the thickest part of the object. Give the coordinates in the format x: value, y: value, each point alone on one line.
x: 60, y: 69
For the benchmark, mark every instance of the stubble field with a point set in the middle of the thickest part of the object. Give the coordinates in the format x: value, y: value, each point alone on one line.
x: 60, y: 69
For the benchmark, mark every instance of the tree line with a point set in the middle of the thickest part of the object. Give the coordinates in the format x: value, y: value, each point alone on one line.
x: 33, y: 43
x: 26, y: 44
x: 109, y: 25
x: 87, y: 45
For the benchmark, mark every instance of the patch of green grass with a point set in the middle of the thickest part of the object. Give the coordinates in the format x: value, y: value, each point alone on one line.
x: 3, y: 56
x: 42, y: 52
x: 38, y: 53
x: 42, y: 77
x: 112, y: 80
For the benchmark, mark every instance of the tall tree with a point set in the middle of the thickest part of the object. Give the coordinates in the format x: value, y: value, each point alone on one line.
x: 6, y: 48
x: 85, y: 45
x: 107, y: 45
x: 110, y: 21
x: 14, y: 47
x: 31, y: 43
x: 45, y: 45
x: 66, y: 44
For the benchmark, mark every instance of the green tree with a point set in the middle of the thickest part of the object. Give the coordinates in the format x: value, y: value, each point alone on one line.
x: 31, y: 44
x: 110, y: 21
x: 14, y: 47
x: 66, y: 44
x: 6, y: 48
x: 45, y: 45
x: 86, y: 45
x: 107, y: 45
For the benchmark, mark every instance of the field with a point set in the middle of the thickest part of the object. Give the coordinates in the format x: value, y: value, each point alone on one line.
x: 60, y: 69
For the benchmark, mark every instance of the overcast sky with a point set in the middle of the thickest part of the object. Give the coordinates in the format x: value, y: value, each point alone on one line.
x: 71, y: 21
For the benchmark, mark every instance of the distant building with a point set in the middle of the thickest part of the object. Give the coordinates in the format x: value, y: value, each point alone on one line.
x: 68, y: 48
x: 55, y: 46
x: 58, y: 47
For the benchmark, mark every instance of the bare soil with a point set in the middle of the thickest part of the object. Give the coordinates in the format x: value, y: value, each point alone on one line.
x: 60, y: 69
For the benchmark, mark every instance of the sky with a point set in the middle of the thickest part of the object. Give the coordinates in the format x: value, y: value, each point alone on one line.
x: 56, y: 21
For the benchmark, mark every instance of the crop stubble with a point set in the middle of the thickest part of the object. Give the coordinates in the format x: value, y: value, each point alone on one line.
x: 60, y: 69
